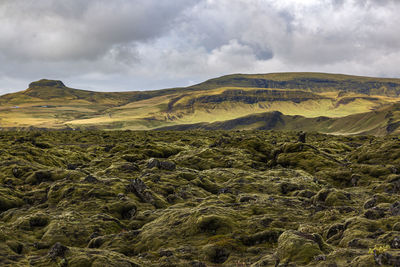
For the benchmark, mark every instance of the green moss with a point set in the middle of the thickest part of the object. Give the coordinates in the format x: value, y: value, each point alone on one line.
x: 8, y: 200
x: 216, y: 254
x: 214, y: 224
x: 15, y: 246
x: 266, y: 236
x: 122, y: 209
x: 293, y: 247
x: 336, y: 198
x: 228, y: 201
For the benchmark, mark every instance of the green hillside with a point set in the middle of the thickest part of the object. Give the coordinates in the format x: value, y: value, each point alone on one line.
x: 315, y: 82
x: 51, y: 104
x: 380, y: 122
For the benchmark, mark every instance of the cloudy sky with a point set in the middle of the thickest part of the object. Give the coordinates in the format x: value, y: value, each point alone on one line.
x: 125, y: 45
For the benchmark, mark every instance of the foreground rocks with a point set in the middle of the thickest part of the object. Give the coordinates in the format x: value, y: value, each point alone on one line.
x: 246, y: 198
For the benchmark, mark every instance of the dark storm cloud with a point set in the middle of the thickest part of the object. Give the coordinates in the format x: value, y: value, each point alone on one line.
x: 145, y: 44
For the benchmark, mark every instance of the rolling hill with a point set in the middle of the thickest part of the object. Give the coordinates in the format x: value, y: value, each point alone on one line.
x: 381, y: 122
x: 329, y: 103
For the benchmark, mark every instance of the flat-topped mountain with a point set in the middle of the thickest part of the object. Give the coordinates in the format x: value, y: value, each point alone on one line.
x: 314, y: 82
x: 47, y: 83
x: 213, y: 104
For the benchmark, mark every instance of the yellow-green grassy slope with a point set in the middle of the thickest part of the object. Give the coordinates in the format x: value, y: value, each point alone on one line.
x: 50, y: 104
x: 380, y: 122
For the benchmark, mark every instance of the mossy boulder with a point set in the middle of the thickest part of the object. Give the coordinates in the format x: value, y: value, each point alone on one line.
x: 9, y: 200
x: 214, y: 224
x: 266, y: 236
x: 60, y: 255
x: 33, y: 221
x: 297, y: 247
x: 75, y: 229
x: 216, y: 254
x: 332, y: 197
x: 122, y: 209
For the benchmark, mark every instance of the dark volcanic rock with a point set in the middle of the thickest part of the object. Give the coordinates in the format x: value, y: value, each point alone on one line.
x: 374, y: 214
x: 90, y: 179
x: 167, y: 165
x: 302, y: 137
x: 153, y: 163
x: 57, y: 250
x: 395, y: 243
x: 395, y: 208
x: 334, y: 229
x: 387, y: 259
x: 138, y: 187
x: 162, y: 165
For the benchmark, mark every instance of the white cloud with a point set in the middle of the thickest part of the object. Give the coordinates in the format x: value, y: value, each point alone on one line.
x: 134, y: 45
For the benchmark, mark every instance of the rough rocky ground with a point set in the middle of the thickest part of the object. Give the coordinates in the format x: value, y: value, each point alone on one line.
x: 198, y: 198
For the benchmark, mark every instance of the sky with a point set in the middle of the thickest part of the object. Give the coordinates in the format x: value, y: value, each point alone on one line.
x: 126, y: 45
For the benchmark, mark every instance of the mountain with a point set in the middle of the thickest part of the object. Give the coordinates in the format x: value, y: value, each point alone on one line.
x: 311, y: 81
x: 300, y: 101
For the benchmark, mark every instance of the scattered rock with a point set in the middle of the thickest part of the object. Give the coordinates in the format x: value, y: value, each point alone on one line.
x: 96, y: 242
x: 247, y: 199
x: 370, y: 203
x: 153, y: 163
x: 289, y: 187
x: 267, y: 236
x: 357, y: 243
x: 17, y: 172
x: 387, y: 259
x: 121, y: 196
x: 395, y: 208
x: 167, y: 165
x: 162, y: 165
x: 320, y: 258
x: 71, y: 166
x: 374, y: 213
x: 306, y: 193
x: 302, y: 137
x: 57, y: 250
x: 166, y: 253
x: 395, y: 244
x: 334, y: 230
x: 396, y: 227
x: 224, y: 191
x: 129, y: 167
x: 138, y: 187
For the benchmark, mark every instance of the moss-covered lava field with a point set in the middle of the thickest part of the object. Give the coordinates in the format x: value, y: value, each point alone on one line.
x: 198, y: 198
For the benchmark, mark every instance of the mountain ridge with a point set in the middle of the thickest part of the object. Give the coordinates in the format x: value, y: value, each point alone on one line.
x: 379, y: 122
x: 51, y: 104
